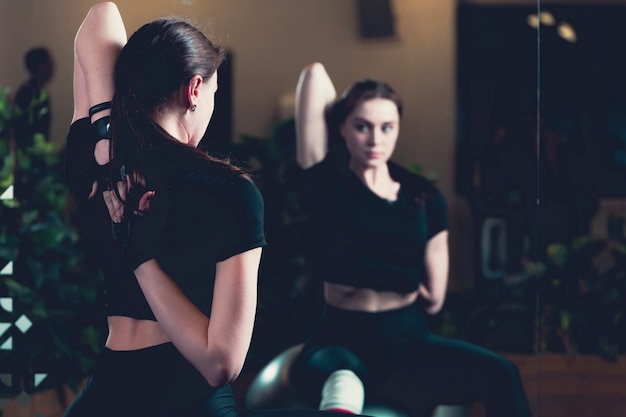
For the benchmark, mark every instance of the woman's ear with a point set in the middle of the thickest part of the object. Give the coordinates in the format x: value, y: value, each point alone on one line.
x: 342, y: 129
x: 193, y: 90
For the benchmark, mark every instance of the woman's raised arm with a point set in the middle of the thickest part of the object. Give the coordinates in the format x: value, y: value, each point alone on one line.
x: 314, y: 93
x: 97, y: 44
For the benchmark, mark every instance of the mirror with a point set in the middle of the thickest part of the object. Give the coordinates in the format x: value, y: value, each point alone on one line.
x: 455, y: 107
x: 572, y: 247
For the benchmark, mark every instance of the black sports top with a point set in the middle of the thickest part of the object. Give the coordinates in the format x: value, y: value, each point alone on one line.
x: 365, y: 240
x: 218, y: 216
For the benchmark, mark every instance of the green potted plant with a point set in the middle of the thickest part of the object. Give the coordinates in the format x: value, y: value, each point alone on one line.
x: 50, y: 287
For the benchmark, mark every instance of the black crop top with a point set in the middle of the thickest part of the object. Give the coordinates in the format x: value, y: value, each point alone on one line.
x: 365, y: 240
x: 219, y: 215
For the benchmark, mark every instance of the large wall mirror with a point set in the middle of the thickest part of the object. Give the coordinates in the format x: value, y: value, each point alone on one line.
x: 514, y: 108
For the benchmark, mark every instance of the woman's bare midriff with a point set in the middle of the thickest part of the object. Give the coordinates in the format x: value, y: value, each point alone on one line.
x: 365, y: 299
x: 126, y: 333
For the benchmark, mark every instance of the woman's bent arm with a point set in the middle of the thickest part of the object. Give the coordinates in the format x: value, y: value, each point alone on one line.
x: 433, y: 290
x: 217, y: 347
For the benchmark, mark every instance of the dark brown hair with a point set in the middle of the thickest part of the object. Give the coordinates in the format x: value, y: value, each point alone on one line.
x: 151, y: 74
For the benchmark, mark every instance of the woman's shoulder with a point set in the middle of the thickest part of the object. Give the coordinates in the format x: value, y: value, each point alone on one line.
x: 410, y: 178
x: 210, y: 175
x: 235, y: 186
x: 421, y: 188
x: 244, y: 190
x: 333, y: 166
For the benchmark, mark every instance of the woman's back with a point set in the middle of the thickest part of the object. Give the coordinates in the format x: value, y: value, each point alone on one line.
x: 214, y: 215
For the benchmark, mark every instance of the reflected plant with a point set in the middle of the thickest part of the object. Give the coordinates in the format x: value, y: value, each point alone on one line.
x: 582, y: 288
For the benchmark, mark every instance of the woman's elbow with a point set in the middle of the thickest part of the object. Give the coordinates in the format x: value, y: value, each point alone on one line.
x: 104, y: 9
x: 224, y: 369
x: 315, y: 68
x: 221, y: 375
x: 434, y: 307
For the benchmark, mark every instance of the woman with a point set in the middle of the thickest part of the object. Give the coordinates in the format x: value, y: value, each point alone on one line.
x: 384, y: 258
x: 180, y: 327
x: 32, y: 102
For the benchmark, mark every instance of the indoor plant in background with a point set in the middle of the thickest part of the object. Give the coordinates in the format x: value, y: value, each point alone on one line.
x: 50, y: 288
x: 570, y: 300
x: 290, y: 298
x: 582, y: 288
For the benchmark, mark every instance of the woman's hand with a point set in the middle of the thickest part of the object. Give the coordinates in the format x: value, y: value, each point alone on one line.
x: 146, y: 226
x: 115, y: 206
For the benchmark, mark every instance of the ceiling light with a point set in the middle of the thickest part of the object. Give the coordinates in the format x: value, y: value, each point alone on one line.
x: 546, y: 18
x: 567, y: 32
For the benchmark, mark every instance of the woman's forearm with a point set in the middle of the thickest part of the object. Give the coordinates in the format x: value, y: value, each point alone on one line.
x: 217, y: 347
x: 433, y: 289
x: 172, y: 308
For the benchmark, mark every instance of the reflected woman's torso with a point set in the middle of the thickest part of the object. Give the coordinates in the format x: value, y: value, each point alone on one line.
x: 126, y: 333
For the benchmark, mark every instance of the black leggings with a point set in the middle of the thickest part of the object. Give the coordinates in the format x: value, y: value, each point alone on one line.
x: 402, y: 363
x: 159, y: 382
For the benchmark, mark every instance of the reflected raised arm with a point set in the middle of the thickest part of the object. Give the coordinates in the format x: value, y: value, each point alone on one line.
x: 315, y: 92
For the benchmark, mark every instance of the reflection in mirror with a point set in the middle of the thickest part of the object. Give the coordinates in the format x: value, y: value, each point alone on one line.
x: 582, y: 257
x: 270, y: 42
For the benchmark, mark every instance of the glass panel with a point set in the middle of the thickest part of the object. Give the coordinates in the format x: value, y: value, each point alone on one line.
x: 582, y: 279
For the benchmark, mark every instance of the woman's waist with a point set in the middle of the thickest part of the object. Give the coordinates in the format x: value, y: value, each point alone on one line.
x: 380, y: 277
x: 352, y: 298
x: 127, y: 333
x: 340, y: 322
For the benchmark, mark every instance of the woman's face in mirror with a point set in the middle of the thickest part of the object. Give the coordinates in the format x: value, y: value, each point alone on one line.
x: 371, y: 132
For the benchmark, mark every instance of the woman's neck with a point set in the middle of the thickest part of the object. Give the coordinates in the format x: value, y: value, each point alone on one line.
x: 172, y: 124
x: 378, y: 180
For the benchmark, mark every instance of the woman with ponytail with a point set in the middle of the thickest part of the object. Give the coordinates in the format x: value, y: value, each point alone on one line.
x: 180, y: 267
